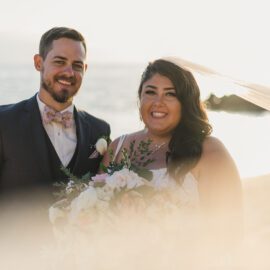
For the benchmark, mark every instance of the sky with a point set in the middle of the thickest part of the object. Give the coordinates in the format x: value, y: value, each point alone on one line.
x: 230, y: 36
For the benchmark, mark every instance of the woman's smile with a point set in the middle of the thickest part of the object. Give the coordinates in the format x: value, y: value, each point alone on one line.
x: 159, y: 106
x: 158, y: 115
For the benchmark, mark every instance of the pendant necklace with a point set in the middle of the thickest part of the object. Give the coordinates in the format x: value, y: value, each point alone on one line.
x: 158, y: 147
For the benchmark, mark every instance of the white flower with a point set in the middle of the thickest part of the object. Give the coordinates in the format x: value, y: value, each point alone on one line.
x: 160, y: 182
x: 70, y: 187
x: 104, y: 193
x: 101, y: 146
x: 124, y: 178
x: 134, y: 180
x: 84, y: 201
x: 117, y: 180
x: 55, y: 213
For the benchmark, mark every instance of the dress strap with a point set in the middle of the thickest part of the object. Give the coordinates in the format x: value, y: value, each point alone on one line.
x: 119, y: 146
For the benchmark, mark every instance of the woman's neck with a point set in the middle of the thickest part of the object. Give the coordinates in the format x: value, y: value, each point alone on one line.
x: 157, y: 139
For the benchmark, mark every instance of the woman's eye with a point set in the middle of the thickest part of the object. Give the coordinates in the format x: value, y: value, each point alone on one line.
x: 171, y: 94
x: 149, y: 92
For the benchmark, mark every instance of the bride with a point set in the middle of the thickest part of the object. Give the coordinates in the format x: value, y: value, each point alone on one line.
x: 182, y: 149
x: 192, y: 171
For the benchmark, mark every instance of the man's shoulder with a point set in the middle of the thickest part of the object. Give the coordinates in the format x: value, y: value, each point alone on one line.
x: 14, y: 107
x: 6, y: 108
x: 11, y: 113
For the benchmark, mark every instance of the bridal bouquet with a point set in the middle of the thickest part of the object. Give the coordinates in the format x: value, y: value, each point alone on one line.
x: 125, y: 189
x: 125, y: 204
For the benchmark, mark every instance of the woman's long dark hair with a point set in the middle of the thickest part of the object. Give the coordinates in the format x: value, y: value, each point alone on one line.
x: 185, y: 146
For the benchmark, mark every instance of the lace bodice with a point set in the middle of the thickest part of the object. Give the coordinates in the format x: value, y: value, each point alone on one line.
x: 188, y: 191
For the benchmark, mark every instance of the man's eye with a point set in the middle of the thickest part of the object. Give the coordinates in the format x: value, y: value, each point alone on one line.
x: 59, y: 62
x: 78, y: 67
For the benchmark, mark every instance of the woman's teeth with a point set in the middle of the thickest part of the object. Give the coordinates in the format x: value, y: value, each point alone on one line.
x: 158, y: 114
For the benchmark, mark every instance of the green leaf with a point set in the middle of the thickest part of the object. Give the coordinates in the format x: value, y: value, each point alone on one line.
x: 103, y: 168
x: 142, y: 172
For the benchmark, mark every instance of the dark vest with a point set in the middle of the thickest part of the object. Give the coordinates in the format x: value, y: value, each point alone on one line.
x: 55, y: 163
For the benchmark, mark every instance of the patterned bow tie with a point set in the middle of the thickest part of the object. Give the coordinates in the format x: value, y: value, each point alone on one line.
x: 50, y: 115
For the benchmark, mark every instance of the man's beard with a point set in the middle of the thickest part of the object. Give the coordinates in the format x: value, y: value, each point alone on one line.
x: 62, y: 97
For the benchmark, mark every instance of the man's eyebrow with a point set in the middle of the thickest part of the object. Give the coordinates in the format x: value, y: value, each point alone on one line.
x: 60, y: 57
x: 64, y: 58
x: 78, y: 62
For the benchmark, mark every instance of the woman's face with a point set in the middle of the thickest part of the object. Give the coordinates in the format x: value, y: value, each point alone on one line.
x: 160, y: 109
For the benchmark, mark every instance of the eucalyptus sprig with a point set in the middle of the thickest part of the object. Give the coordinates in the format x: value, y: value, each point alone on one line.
x: 133, y: 158
x: 74, y: 186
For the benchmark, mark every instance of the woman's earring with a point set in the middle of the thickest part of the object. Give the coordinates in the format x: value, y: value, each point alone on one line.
x: 140, y: 114
x: 139, y: 106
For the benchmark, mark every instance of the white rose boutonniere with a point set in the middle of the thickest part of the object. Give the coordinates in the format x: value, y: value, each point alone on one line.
x: 100, y: 148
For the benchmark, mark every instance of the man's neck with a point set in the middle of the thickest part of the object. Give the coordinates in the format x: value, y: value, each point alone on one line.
x: 47, y: 99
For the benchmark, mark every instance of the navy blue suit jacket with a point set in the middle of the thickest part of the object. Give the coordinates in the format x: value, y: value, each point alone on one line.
x: 24, y: 159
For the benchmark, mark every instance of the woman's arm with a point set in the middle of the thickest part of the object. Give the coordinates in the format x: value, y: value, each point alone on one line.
x: 107, y: 158
x: 220, y: 190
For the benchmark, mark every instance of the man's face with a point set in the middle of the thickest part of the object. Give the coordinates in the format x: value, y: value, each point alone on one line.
x: 62, y: 70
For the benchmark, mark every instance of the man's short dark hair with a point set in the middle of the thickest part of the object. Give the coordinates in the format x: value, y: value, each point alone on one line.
x: 55, y: 33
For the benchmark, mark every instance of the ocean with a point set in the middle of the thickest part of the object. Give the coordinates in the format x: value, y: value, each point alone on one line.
x: 109, y: 91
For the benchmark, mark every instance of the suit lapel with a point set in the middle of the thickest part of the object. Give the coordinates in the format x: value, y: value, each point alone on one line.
x: 84, y: 135
x: 35, y: 135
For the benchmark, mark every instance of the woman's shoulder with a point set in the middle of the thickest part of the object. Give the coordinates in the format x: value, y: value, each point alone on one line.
x: 213, y: 146
x: 119, y: 143
x: 126, y: 139
x: 214, y: 156
x: 213, y: 151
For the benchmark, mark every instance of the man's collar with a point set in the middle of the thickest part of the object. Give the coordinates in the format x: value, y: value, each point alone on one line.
x: 42, y: 105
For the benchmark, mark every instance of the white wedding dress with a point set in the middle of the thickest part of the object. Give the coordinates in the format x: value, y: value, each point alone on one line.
x: 188, y: 191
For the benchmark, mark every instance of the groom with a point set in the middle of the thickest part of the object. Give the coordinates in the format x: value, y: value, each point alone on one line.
x: 40, y: 135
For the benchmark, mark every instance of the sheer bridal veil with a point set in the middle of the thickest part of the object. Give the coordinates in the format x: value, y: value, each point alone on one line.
x: 209, y: 80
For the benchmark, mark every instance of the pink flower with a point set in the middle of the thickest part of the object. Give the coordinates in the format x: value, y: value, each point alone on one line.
x: 100, y: 178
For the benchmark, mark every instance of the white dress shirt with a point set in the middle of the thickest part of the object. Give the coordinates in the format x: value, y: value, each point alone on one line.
x: 63, y: 139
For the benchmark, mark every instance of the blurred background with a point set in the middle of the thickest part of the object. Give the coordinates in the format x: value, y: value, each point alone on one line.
x: 123, y: 36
